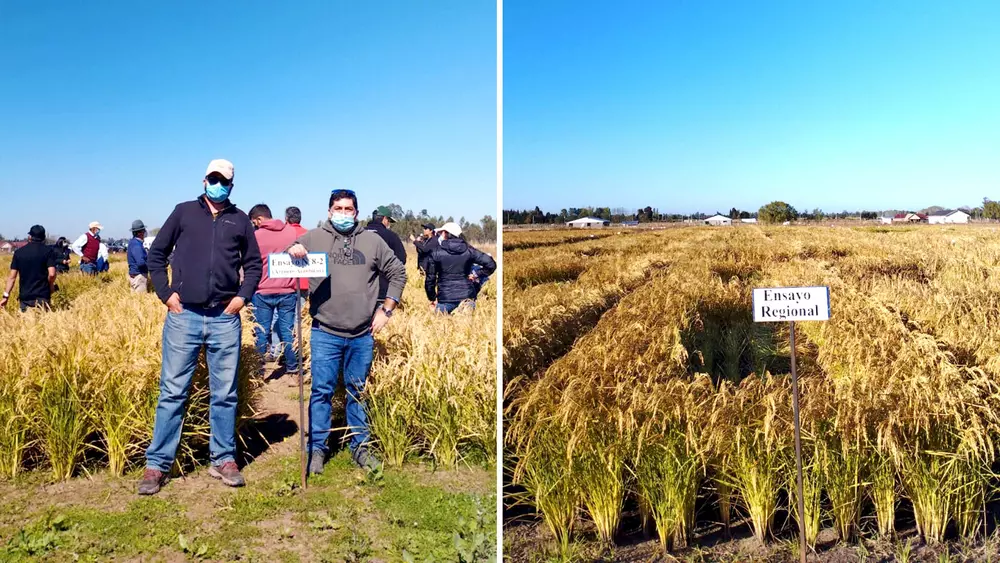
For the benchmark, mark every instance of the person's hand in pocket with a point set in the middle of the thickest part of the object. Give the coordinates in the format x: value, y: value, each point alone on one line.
x: 174, y: 304
x: 235, y: 306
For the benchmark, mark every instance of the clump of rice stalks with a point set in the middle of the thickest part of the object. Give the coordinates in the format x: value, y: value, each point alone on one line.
x: 552, y: 489
x: 668, y: 474
x: 599, y: 468
x: 842, y: 462
x: 882, y: 473
x: 812, y: 487
x: 749, y: 422
x: 63, y: 424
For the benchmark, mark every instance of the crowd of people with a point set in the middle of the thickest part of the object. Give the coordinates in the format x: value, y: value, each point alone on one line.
x: 218, y: 257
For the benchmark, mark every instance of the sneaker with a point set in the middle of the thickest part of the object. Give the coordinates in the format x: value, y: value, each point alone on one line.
x: 228, y: 472
x: 316, y: 463
x: 152, y: 480
x: 366, y: 460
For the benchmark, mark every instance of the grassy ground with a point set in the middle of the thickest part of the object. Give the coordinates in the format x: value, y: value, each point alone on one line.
x: 413, y: 513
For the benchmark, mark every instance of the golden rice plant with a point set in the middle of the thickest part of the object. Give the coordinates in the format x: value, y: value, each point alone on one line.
x: 433, y: 388
x: 89, y: 378
x: 900, y: 388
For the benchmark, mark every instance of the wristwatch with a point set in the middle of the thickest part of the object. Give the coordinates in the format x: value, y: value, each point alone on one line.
x: 388, y: 312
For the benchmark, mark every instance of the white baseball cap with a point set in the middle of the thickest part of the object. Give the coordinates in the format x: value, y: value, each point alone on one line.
x: 451, y: 227
x: 95, y: 225
x: 222, y: 166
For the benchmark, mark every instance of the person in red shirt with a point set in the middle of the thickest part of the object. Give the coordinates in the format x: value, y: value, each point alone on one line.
x: 276, y: 298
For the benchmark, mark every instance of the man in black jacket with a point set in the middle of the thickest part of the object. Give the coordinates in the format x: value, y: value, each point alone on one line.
x: 381, y: 219
x: 450, y: 278
x: 211, y: 240
x: 425, y: 246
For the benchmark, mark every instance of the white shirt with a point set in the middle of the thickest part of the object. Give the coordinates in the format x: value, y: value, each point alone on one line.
x: 77, y: 246
x: 102, y: 251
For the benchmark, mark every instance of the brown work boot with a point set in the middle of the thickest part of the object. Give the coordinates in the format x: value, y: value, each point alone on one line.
x: 152, y: 480
x: 228, y: 472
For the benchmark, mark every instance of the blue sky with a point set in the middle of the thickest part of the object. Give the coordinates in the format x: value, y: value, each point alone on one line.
x: 111, y: 110
x: 702, y: 105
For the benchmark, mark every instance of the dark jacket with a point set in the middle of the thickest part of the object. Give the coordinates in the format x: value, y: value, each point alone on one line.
x: 424, y: 250
x: 62, y: 254
x: 447, y: 278
x: 137, y: 258
x: 392, y: 239
x: 208, y: 255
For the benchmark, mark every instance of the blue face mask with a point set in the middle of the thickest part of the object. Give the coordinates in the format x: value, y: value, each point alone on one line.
x: 342, y: 223
x: 218, y: 193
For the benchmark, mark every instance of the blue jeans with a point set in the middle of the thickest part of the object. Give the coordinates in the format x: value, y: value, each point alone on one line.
x: 183, y: 336
x: 331, y: 354
x: 281, y: 309
x: 89, y: 268
x: 449, y: 308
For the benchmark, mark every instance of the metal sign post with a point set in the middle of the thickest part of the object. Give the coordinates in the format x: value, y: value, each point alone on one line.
x: 776, y: 304
x: 798, y: 450
x: 304, y: 455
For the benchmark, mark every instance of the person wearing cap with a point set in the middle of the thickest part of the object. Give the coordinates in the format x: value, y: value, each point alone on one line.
x: 87, y: 246
x: 35, y: 263
x: 275, y: 298
x: 425, y: 246
x: 450, y: 277
x: 346, y: 317
x: 211, y: 241
x: 381, y: 220
x: 138, y: 271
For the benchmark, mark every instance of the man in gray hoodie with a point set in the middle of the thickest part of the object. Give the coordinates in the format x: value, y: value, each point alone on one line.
x: 346, y: 315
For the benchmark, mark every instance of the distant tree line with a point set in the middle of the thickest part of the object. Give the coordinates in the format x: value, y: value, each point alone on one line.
x: 774, y: 212
x: 615, y: 215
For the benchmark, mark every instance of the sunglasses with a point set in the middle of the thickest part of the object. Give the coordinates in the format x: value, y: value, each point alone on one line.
x: 217, y: 179
x: 347, y: 193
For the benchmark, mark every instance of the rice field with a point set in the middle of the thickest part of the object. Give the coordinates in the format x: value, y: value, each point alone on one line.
x: 78, y: 385
x: 642, y: 401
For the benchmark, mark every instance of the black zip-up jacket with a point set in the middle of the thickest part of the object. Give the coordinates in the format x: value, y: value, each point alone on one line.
x: 392, y: 239
x: 208, y: 255
x: 447, y: 278
x: 424, y: 250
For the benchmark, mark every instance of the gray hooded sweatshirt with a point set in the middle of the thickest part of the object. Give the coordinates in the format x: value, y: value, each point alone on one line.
x: 344, y: 302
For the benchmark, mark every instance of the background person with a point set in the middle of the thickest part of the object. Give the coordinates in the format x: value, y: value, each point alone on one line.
x: 87, y: 246
x: 345, y: 318
x: 450, y: 278
x: 35, y: 263
x: 103, y: 259
x: 138, y: 271
x: 275, y: 298
x: 61, y: 248
x: 212, y: 241
x: 381, y: 220
x: 425, y: 246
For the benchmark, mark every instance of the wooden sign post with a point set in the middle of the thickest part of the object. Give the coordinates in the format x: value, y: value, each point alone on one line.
x: 312, y: 266
x: 780, y: 304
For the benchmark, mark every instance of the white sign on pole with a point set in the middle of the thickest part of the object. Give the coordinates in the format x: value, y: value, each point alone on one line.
x: 284, y: 266
x: 783, y: 304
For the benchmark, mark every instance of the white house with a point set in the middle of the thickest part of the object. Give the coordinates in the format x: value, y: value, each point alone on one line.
x: 718, y: 219
x: 948, y: 216
x: 886, y: 220
x: 588, y: 223
x: 750, y: 221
